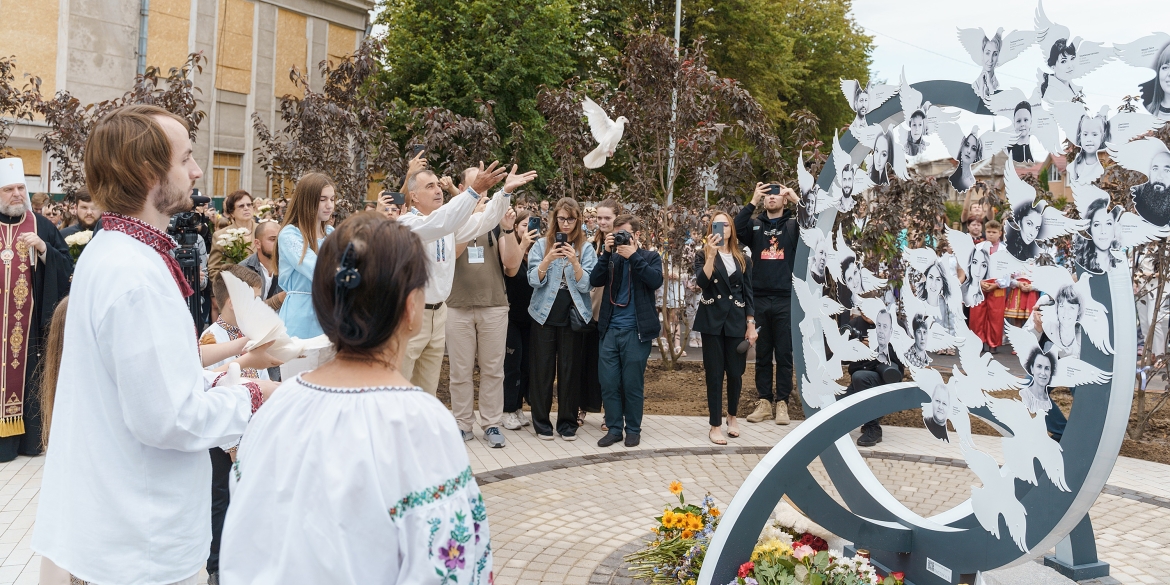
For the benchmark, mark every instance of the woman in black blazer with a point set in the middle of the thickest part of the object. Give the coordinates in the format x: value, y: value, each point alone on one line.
x: 725, y: 319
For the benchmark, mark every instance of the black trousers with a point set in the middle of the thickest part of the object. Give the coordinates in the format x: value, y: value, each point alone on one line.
x: 589, y: 398
x: 516, y: 368
x: 555, y: 355
x: 864, y: 380
x: 720, y: 359
x: 221, y: 467
x: 773, y: 321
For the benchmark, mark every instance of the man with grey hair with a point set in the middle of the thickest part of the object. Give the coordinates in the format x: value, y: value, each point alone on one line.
x: 442, y: 226
x: 36, y: 270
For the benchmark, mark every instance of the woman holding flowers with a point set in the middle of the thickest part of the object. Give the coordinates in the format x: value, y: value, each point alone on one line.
x: 231, y: 244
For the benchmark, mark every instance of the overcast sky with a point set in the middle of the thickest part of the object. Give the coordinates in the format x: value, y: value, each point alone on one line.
x: 921, y: 36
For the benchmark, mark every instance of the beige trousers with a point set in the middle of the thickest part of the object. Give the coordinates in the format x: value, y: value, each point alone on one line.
x: 481, y: 331
x: 424, y: 354
x: 51, y: 574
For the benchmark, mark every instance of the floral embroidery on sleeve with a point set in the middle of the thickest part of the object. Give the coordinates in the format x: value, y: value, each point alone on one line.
x: 430, y: 494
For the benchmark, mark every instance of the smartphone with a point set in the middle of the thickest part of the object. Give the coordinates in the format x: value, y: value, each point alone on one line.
x: 396, y: 198
x: 562, y: 238
x: 533, y: 223
x: 717, y: 229
x: 773, y: 189
x: 417, y: 149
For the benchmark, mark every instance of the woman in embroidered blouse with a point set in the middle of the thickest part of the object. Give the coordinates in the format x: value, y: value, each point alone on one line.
x: 308, y: 213
x: 353, y: 476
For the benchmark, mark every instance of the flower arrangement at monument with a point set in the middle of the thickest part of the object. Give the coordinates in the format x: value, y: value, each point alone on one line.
x: 77, y: 243
x: 235, y: 244
x: 790, y: 551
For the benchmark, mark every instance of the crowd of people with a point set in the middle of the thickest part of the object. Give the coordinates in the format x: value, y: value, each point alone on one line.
x: 556, y: 305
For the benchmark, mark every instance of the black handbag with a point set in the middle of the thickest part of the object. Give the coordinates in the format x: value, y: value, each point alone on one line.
x: 578, y: 323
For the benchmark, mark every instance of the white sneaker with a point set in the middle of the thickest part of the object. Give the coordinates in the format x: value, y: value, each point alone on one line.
x: 523, y: 419
x: 512, y: 422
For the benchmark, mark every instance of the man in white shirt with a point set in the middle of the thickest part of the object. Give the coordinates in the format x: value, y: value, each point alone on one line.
x: 441, y: 228
x: 126, y: 488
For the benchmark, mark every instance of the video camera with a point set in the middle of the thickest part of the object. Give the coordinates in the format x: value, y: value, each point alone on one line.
x: 185, y: 228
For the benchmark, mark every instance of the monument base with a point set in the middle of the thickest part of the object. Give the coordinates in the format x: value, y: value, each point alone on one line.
x: 1077, y: 572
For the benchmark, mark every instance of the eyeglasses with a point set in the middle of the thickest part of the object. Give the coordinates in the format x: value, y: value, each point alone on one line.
x: 568, y: 220
x: 244, y: 205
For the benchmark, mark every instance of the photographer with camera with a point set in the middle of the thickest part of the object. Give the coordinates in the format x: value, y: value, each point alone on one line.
x: 772, y: 237
x: 883, y: 369
x: 628, y: 277
x: 125, y: 494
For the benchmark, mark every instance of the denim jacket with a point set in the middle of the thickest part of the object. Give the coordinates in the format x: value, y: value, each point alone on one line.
x: 544, y: 292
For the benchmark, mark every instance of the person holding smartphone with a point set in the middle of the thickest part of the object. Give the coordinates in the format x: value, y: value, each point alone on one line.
x: 558, y: 270
x: 390, y: 204
x: 772, y: 234
x: 726, y: 320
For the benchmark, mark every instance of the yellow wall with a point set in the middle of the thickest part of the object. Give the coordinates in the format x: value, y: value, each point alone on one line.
x: 233, y: 71
x: 167, y: 32
x: 31, y: 159
x: 28, y: 30
x: 342, y: 42
x: 292, y: 49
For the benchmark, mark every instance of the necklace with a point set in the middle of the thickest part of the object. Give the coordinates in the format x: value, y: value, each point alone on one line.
x: 8, y: 253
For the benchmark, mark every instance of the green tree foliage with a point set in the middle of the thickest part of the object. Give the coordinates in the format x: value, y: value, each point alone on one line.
x: 457, y: 54
x: 790, y: 54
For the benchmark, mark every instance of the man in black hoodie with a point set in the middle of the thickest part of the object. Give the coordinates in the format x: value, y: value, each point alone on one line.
x: 772, y: 236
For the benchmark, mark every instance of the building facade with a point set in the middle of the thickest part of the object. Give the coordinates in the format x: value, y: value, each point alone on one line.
x: 94, y: 48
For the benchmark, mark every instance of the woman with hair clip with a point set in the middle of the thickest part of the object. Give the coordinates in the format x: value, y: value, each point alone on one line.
x: 726, y: 319
x: 374, y: 465
x: 305, y: 227
x: 558, y: 270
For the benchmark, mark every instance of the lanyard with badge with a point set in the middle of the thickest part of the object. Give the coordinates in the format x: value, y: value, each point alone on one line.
x: 475, y: 251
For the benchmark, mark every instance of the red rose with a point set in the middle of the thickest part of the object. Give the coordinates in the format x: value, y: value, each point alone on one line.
x: 745, y: 569
x: 898, y: 575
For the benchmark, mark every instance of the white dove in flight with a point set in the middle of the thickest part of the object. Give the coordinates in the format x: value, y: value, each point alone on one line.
x: 997, y: 496
x: 261, y: 324
x: 606, y: 132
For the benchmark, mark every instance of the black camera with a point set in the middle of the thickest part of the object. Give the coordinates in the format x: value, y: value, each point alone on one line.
x: 185, y: 228
x: 622, y: 238
x: 889, y: 372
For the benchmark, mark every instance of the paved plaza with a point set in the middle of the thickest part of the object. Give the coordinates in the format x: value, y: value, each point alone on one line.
x: 560, y: 510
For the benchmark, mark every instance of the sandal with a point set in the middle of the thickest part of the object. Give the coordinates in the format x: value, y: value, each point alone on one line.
x: 716, y: 437
x: 733, y: 431
x: 580, y: 417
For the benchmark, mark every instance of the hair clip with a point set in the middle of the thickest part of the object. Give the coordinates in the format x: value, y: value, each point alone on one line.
x: 348, y: 277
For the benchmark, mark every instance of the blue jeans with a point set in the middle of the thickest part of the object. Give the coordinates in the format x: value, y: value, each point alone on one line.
x: 621, y: 370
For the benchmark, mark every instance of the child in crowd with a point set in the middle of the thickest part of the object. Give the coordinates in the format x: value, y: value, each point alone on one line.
x: 225, y: 329
x: 986, y: 318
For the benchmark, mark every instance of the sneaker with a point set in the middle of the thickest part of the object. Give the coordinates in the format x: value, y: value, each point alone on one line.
x: 762, y: 413
x: 544, y: 437
x: 782, y: 413
x: 608, y: 439
x: 569, y: 436
x: 467, y: 435
x: 632, y: 439
x: 870, y: 437
x: 512, y: 422
x: 494, y: 438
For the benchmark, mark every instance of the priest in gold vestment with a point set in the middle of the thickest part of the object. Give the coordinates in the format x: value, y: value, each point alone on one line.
x: 36, y: 266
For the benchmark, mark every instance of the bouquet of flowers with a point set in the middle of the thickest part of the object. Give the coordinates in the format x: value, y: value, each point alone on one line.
x: 682, y: 535
x: 784, y: 556
x: 77, y: 243
x: 235, y: 244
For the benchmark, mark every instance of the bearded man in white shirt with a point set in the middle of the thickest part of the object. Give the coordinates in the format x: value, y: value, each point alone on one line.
x: 423, y: 358
x: 126, y: 488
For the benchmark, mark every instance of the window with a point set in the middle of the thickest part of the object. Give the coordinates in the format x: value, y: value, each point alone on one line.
x: 1053, y: 173
x: 225, y: 173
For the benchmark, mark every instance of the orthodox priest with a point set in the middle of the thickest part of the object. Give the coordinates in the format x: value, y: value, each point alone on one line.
x: 37, y: 267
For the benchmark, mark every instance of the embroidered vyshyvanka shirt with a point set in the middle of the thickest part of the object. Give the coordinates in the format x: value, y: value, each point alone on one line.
x: 125, y: 496
x: 348, y: 486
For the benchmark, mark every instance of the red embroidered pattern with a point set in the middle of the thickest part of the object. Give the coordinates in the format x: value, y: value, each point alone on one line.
x: 257, y: 395
x: 151, y: 236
